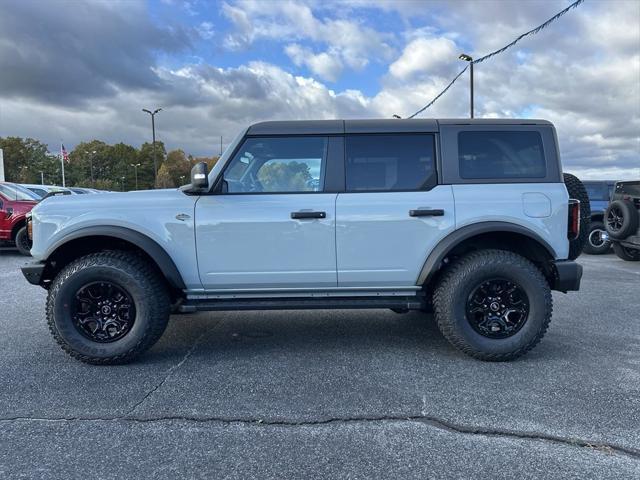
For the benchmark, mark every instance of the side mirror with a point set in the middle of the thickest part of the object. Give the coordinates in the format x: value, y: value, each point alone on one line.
x: 199, y: 176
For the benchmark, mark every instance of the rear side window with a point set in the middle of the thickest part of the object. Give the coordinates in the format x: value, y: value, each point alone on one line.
x: 597, y: 191
x: 390, y: 162
x: 506, y: 154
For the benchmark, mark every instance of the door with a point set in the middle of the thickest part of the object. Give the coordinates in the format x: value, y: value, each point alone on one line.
x: 393, y: 212
x: 274, y: 227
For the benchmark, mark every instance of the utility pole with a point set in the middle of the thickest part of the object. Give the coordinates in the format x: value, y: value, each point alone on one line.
x: 135, y: 169
x: 467, y: 58
x: 41, y: 177
x: 153, y: 132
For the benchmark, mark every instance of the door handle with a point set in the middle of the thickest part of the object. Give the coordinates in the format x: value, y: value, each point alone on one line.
x: 426, y: 212
x: 305, y: 215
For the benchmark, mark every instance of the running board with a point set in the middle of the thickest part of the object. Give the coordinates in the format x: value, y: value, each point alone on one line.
x: 415, y: 302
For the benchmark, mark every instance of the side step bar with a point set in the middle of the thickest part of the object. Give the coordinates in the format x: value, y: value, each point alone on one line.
x: 401, y: 303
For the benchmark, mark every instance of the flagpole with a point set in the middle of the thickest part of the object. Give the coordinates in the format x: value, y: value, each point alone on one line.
x: 62, y: 164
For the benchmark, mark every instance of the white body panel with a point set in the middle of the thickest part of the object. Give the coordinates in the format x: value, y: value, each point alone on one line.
x: 151, y: 213
x: 379, y: 244
x: 250, y: 241
x: 540, y: 207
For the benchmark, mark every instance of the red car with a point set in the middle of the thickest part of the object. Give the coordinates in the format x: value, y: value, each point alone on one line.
x: 15, y: 203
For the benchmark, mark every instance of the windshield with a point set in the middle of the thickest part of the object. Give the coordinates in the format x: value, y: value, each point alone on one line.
x: 213, y: 174
x: 15, y: 192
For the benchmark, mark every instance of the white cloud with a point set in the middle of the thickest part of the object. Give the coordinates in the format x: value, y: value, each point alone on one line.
x: 425, y: 57
x: 326, y: 66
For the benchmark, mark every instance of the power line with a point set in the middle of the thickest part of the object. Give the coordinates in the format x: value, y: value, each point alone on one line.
x: 500, y: 50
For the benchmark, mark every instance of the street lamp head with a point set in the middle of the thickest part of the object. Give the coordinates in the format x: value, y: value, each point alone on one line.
x: 156, y: 110
x: 465, y: 57
x: 148, y: 111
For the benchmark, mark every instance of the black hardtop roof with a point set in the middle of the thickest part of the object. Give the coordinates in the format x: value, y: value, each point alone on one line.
x: 375, y: 125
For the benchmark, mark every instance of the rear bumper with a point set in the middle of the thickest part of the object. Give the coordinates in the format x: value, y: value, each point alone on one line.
x: 567, y: 276
x: 33, y: 272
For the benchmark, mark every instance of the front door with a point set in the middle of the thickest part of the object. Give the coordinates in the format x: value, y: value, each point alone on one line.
x: 274, y: 227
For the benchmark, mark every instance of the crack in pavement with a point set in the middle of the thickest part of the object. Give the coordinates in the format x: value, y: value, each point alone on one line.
x: 174, y: 367
x: 427, y: 419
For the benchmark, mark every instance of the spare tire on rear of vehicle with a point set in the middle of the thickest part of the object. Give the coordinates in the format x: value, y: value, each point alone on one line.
x: 577, y: 191
x: 621, y: 219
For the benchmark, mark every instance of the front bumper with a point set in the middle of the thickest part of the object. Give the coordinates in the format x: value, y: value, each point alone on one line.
x: 566, y: 276
x: 33, y: 272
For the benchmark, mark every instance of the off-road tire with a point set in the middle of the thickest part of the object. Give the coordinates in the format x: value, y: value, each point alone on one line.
x: 465, y: 274
x: 23, y: 244
x: 139, y: 279
x: 576, y: 190
x: 629, y: 214
x: 626, y: 253
x: 595, y: 249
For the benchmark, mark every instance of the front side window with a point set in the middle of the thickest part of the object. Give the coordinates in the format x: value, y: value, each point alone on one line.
x: 15, y: 192
x: 498, y: 155
x: 278, y: 165
x: 390, y: 162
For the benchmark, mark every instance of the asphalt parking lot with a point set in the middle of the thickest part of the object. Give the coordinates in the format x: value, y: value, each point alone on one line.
x: 349, y: 394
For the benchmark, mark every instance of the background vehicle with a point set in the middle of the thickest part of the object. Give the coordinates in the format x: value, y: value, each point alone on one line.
x: 42, y: 190
x: 15, y: 203
x: 83, y: 190
x: 327, y: 214
x: 600, y: 192
x: 622, y: 220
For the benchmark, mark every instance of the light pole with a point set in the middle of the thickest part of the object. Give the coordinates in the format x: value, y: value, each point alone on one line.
x: 135, y: 169
x: 122, y: 183
x: 153, y: 131
x: 41, y: 177
x: 91, y: 154
x: 467, y: 58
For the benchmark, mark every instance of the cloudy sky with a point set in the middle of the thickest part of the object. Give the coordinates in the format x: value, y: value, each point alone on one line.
x: 75, y: 70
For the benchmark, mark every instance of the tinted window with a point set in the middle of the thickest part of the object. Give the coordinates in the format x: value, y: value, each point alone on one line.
x: 390, y: 162
x: 278, y: 164
x: 597, y: 191
x: 507, y: 154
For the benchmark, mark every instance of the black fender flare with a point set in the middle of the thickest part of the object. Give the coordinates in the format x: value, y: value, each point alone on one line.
x: 449, y: 242
x: 158, y: 254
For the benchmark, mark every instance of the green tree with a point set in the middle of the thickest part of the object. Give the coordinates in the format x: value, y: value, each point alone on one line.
x: 145, y: 158
x: 278, y: 176
x: 25, y: 158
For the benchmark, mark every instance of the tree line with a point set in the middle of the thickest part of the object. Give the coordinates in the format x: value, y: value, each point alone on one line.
x: 96, y: 164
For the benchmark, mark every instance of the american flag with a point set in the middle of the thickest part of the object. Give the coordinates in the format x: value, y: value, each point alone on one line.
x: 65, y: 155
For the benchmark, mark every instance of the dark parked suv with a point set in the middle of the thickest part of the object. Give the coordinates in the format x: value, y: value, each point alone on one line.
x: 622, y: 220
x: 600, y: 192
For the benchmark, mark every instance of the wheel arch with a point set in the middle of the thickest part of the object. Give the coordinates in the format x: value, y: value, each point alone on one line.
x: 105, y: 237
x: 18, y: 224
x: 501, y: 235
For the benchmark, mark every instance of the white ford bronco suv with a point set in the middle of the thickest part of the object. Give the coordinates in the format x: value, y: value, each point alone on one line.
x: 470, y: 219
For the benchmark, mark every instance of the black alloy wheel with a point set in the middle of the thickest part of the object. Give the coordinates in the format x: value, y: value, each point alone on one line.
x: 103, y: 311
x: 497, y: 308
x: 615, y: 219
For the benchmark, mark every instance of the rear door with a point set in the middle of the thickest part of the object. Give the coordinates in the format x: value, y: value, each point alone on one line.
x: 393, y: 211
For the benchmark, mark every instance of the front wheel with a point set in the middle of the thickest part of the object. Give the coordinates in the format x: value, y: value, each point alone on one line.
x: 108, y: 307
x: 626, y: 253
x: 493, y: 305
x: 598, y: 242
x: 23, y: 244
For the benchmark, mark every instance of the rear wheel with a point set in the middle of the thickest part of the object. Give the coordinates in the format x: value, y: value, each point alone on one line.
x: 23, y: 244
x: 598, y: 241
x: 107, y: 307
x: 626, y: 253
x: 493, y: 305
